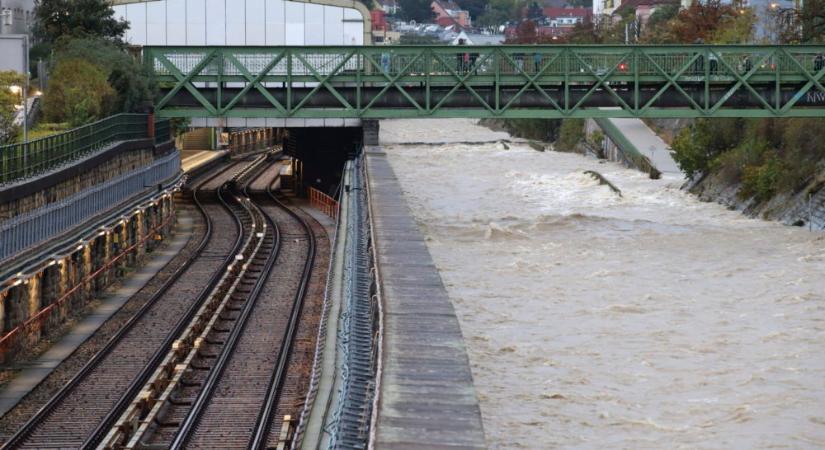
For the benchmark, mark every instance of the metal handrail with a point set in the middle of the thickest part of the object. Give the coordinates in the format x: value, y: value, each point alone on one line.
x: 33, y: 158
x: 29, y: 229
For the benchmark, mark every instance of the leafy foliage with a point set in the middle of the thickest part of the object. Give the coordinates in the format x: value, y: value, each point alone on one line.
x: 57, y: 19
x: 697, y: 146
x: 418, y: 10
x: 499, y: 12
x: 708, y: 22
x: 78, y: 93
x: 8, y: 100
x: 766, y: 156
x: 130, y: 79
x: 571, y: 134
x: 804, y: 25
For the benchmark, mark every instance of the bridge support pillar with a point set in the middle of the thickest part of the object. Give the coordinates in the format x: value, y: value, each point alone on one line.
x: 371, y: 129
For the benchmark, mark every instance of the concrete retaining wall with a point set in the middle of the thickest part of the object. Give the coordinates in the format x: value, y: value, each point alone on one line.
x: 37, y: 303
x: 56, y: 279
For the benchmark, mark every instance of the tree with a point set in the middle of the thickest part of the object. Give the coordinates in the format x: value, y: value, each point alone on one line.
x: 701, y: 21
x: 132, y: 80
x: 535, y: 12
x: 8, y: 101
x: 418, y: 10
x: 527, y: 32
x: 78, y: 93
x: 77, y: 18
x: 499, y: 12
x: 697, y: 146
x: 804, y: 25
x: 474, y: 7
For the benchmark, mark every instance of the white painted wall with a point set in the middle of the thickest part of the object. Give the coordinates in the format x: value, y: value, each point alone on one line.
x: 244, y: 22
x: 240, y: 22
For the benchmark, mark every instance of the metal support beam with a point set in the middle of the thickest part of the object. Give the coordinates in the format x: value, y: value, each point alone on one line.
x: 552, y: 81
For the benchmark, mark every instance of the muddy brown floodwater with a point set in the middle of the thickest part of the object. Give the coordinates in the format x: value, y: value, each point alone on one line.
x: 651, y: 321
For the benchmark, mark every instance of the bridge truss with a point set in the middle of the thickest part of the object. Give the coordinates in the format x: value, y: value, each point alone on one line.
x: 554, y: 81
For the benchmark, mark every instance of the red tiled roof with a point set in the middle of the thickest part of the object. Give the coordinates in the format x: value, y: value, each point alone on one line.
x: 626, y: 4
x: 584, y: 13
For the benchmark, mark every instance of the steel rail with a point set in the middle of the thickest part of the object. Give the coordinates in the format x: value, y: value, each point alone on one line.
x: 189, y: 424
x: 28, y: 428
x: 262, y: 425
x: 103, y: 427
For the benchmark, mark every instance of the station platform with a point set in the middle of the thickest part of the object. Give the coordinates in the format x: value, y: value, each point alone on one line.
x: 427, y: 398
x: 192, y: 160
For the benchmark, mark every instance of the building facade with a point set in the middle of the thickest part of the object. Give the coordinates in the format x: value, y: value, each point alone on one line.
x: 244, y: 22
x: 248, y: 23
x: 16, y: 16
x: 447, y: 12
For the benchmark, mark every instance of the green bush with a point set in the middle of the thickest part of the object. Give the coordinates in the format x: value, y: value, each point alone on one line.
x: 131, y: 80
x: 78, y: 93
x: 8, y: 100
x: 571, y: 134
x: 762, y: 181
x: 696, y: 147
x: 733, y: 163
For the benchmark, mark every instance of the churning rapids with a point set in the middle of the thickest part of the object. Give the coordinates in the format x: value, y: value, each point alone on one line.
x: 651, y: 321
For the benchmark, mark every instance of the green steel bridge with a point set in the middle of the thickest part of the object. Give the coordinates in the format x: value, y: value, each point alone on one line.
x: 554, y: 81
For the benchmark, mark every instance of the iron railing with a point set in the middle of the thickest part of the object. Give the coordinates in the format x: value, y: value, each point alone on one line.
x: 29, y: 229
x: 33, y: 158
x: 550, y: 81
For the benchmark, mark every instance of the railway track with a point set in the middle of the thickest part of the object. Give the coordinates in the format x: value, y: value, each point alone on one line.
x: 74, y: 413
x: 209, y: 361
x: 227, y: 394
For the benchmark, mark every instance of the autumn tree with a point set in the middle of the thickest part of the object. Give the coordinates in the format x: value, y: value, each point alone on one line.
x: 803, y: 25
x: 701, y: 21
x: 78, y: 93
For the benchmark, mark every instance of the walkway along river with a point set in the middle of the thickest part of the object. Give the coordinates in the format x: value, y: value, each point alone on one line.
x: 649, y: 321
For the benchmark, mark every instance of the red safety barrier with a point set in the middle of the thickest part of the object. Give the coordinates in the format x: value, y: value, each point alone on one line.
x: 323, y: 202
x: 37, y: 320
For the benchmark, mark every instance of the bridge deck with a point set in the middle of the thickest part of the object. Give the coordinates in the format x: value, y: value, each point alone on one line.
x: 427, y: 396
x: 513, y: 81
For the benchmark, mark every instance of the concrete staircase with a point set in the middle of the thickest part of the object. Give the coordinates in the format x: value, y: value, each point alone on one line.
x: 197, y: 139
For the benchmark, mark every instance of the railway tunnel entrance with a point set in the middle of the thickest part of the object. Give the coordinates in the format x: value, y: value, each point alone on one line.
x: 318, y: 156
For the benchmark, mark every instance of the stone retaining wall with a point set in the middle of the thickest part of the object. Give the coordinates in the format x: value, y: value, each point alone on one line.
x: 122, y: 163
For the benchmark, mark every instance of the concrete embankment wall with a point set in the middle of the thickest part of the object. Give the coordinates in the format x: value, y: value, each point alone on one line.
x: 38, y: 194
x: 47, y: 281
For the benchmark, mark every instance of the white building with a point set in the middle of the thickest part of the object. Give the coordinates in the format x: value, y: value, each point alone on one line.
x: 16, y: 16
x: 244, y: 22
x: 248, y: 23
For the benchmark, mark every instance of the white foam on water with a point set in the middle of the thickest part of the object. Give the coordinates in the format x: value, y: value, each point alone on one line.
x: 593, y: 321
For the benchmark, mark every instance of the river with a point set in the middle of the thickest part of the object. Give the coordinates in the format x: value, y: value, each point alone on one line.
x: 593, y: 321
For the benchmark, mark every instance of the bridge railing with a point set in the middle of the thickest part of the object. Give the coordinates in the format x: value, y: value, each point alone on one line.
x: 489, y: 81
x: 26, y: 160
x: 550, y: 61
x: 30, y: 229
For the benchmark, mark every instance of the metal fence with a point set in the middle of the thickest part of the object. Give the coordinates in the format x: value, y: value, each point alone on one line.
x: 349, y: 427
x: 47, y: 222
x: 20, y: 161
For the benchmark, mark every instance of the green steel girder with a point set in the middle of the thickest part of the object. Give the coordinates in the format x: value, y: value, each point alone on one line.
x: 556, y: 81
